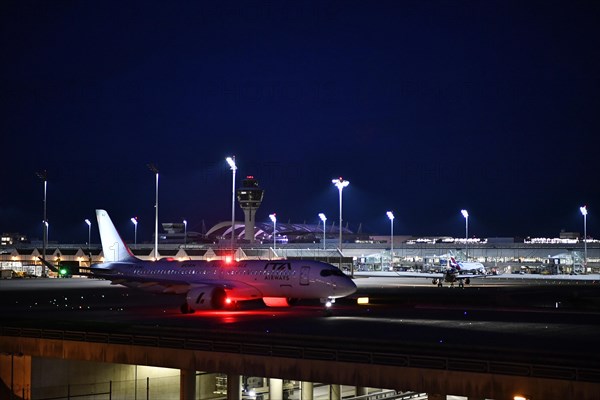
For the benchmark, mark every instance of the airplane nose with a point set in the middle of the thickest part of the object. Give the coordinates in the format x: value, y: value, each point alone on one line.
x: 346, y: 288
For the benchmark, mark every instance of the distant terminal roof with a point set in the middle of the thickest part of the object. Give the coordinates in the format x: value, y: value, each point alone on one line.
x: 264, y: 230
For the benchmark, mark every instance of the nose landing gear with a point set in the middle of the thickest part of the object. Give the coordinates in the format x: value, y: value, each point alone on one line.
x: 327, y: 304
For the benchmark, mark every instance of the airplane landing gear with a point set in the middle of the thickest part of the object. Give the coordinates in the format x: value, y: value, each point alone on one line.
x: 186, y: 309
x: 327, y: 303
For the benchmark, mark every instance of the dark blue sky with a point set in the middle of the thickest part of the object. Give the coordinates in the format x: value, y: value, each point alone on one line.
x: 426, y: 107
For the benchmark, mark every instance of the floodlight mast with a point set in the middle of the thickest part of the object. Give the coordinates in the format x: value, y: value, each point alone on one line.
x: 233, y: 166
x: 340, y: 183
x: 584, y: 212
x: 273, y: 218
x: 43, y: 175
x: 153, y: 168
x: 324, y: 219
x: 465, y: 214
x: 390, y: 215
x: 184, y: 232
x: 89, y: 224
x: 135, y: 223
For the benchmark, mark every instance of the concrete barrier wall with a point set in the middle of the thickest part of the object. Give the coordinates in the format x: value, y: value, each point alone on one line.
x: 15, y: 375
x: 471, y: 384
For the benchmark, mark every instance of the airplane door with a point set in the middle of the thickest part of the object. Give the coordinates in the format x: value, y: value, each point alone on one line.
x: 304, y: 273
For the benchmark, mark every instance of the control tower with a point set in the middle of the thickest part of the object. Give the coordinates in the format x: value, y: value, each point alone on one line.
x: 250, y: 196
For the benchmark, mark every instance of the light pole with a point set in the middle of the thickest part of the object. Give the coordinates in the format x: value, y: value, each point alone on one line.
x: 274, y: 220
x: 153, y: 168
x: 584, y: 213
x: 89, y: 224
x: 135, y: 222
x: 466, y: 215
x: 390, y: 215
x: 231, y: 162
x: 324, y: 219
x: 43, y: 175
x: 184, y: 232
x: 340, y: 183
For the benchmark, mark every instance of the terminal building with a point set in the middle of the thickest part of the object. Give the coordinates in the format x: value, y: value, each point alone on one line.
x: 261, y: 240
x: 538, y: 256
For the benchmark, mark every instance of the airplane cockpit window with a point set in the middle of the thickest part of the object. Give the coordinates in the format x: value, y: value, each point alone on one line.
x: 331, y: 272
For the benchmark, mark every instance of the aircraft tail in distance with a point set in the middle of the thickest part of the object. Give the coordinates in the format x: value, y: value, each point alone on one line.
x: 454, y: 264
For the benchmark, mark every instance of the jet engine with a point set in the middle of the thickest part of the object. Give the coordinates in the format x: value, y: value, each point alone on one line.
x: 279, y: 301
x: 204, y: 298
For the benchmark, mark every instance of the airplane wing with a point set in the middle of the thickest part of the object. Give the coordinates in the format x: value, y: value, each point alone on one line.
x: 81, y: 271
x: 437, y: 275
x: 437, y: 278
x: 235, y: 290
x: 48, y: 264
x: 469, y: 276
x: 426, y: 275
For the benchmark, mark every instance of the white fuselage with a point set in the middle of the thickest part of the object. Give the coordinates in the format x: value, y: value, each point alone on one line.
x: 464, y: 266
x: 214, y: 284
x: 243, y: 280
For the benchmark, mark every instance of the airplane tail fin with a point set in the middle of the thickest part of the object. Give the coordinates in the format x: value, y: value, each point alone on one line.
x: 454, y: 264
x: 113, y: 247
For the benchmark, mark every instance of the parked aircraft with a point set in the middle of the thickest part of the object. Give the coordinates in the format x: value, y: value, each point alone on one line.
x: 463, y: 266
x: 460, y: 272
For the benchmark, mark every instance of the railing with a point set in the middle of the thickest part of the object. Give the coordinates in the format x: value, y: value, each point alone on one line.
x: 319, y: 349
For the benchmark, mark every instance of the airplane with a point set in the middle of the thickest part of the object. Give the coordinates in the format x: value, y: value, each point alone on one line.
x: 459, y: 272
x: 449, y: 275
x: 219, y: 284
x: 452, y: 276
x: 463, y: 266
x: 456, y: 271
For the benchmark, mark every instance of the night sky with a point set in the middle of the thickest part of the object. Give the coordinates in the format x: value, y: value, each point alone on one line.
x: 426, y: 107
